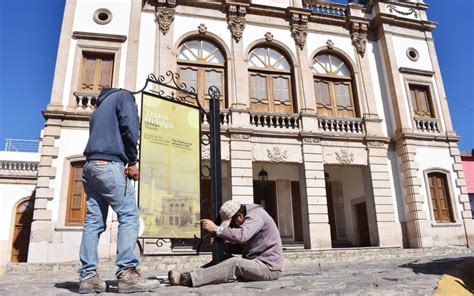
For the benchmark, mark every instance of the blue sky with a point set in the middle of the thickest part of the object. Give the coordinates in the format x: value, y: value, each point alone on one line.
x: 29, y: 35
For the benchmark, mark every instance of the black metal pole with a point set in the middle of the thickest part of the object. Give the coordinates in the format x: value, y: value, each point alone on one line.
x: 216, y: 173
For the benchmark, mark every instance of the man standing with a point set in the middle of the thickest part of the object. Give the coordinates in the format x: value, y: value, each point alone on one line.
x: 111, y: 155
x: 255, y: 231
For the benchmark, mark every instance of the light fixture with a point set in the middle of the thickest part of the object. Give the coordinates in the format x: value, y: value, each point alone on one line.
x: 262, y: 176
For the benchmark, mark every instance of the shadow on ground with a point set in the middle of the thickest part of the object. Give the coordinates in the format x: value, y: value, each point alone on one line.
x: 460, y: 268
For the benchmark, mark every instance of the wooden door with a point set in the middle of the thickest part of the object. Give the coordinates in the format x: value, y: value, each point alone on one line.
x: 297, y: 218
x: 362, y: 224
x: 22, y: 228
x: 265, y: 195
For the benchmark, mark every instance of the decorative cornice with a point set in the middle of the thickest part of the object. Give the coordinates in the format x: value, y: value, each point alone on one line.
x: 344, y: 157
x: 164, y: 16
x: 236, y: 19
x: 359, y: 36
x: 416, y: 71
x: 299, y: 26
x: 276, y: 154
x: 99, y: 36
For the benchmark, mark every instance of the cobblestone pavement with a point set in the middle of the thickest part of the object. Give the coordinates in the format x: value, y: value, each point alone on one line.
x: 400, y: 276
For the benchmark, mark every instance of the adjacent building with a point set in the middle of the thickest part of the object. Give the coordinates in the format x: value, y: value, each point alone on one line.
x: 341, y: 109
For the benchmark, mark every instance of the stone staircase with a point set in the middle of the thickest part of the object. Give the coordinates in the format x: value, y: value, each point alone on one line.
x: 294, y: 256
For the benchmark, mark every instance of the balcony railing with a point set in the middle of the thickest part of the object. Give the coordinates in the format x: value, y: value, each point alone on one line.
x: 86, y: 101
x: 225, y: 118
x: 426, y: 124
x: 25, y: 166
x: 21, y: 145
x: 332, y: 9
x: 275, y: 120
x: 341, y: 125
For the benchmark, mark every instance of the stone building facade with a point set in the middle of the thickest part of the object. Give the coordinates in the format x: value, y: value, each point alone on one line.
x: 343, y: 106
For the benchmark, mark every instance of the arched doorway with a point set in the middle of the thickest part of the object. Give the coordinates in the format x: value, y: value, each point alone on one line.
x: 21, y: 231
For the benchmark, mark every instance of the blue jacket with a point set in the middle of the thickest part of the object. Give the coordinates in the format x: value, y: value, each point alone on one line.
x: 114, y: 128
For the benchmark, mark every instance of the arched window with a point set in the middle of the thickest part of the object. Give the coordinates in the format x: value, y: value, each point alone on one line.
x: 440, y: 198
x: 270, y: 81
x: 333, y: 86
x: 201, y: 64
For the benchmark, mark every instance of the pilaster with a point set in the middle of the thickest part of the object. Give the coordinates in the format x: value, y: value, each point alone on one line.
x: 241, y: 178
x: 417, y: 223
x: 133, y: 45
x: 165, y: 58
x: 388, y: 230
x: 466, y: 214
x: 316, y: 230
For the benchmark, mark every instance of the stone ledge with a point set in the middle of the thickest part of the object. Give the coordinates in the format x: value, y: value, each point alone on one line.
x: 293, y: 258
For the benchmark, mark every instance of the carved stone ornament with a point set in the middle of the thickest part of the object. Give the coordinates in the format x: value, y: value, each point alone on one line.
x: 299, y: 28
x: 330, y: 44
x: 359, y: 37
x: 392, y: 8
x: 375, y: 144
x: 236, y: 20
x: 276, y: 154
x: 164, y: 17
x: 269, y: 36
x: 202, y: 29
x: 240, y: 136
x: 311, y: 140
x: 344, y: 157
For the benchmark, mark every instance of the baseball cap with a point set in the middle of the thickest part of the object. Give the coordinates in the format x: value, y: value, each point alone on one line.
x: 228, y: 210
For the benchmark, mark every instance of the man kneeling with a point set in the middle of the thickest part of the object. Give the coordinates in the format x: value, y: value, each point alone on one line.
x: 254, y: 230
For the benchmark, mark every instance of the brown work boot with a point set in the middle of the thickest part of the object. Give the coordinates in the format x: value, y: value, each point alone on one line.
x: 177, y: 278
x: 131, y: 281
x: 92, y: 285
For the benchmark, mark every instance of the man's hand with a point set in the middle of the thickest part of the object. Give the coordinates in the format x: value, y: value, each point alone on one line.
x: 209, y: 226
x: 132, y: 172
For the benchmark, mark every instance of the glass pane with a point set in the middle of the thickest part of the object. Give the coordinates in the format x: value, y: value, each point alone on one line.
x: 258, y: 87
x: 189, y: 76
x: 324, y: 61
x: 322, y: 92
x: 190, y: 51
x: 257, y: 61
x: 317, y: 68
x: 211, y: 54
x: 344, y: 71
x: 213, y: 78
x: 281, y: 89
x: 343, y: 97
x: 335, y: 63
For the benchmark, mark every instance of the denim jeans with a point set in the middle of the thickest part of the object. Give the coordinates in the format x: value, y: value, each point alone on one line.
x: 232, y: 269
x: 106, y: 184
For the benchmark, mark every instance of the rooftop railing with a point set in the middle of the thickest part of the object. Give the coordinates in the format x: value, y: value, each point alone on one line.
x: 325, y: 8
x: 18, y: 145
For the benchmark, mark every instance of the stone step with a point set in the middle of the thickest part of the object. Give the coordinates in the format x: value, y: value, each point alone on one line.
x: 293, y: 258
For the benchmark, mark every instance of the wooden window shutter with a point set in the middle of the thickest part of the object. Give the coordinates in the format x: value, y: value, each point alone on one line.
x: 106, y: 69
x: 76, y: 204
x: 440, y: 198
x: 97, y: 71
x: 88, y: 73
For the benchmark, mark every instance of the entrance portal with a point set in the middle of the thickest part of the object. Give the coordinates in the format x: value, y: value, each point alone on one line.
x: 21, y: 233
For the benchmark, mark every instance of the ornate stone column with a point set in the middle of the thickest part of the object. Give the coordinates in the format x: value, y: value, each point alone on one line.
x: 316, y: 230
x: 241, y: 179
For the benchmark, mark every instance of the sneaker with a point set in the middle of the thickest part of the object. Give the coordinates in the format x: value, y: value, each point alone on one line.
x: 92, y: 285
x: 180, y: 279
x: 131, y: 281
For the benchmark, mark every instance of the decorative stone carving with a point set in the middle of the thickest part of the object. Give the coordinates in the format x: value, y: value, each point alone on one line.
x: 165, y: 17
x: 299, y: 28
x: 240, y: 137
x: 206, y: 153
x: 330, y: 44
x: 375, y: 144
x: 236, y: 20
x: 269, y: 36
x: 202, y: 29
x: 344, y: 157
x: 359, y: 37
x: 393, y: 8
x: 311, y: 140
x: 276, y: 154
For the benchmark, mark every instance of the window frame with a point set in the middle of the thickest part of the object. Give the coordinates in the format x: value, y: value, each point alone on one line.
x: 70, y: 192
x: 270, y: 73
x: 416, y: 88
x: 97, y: 70
x: 451, y: 200
x: 332, y: 80
x: 201, y: 67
